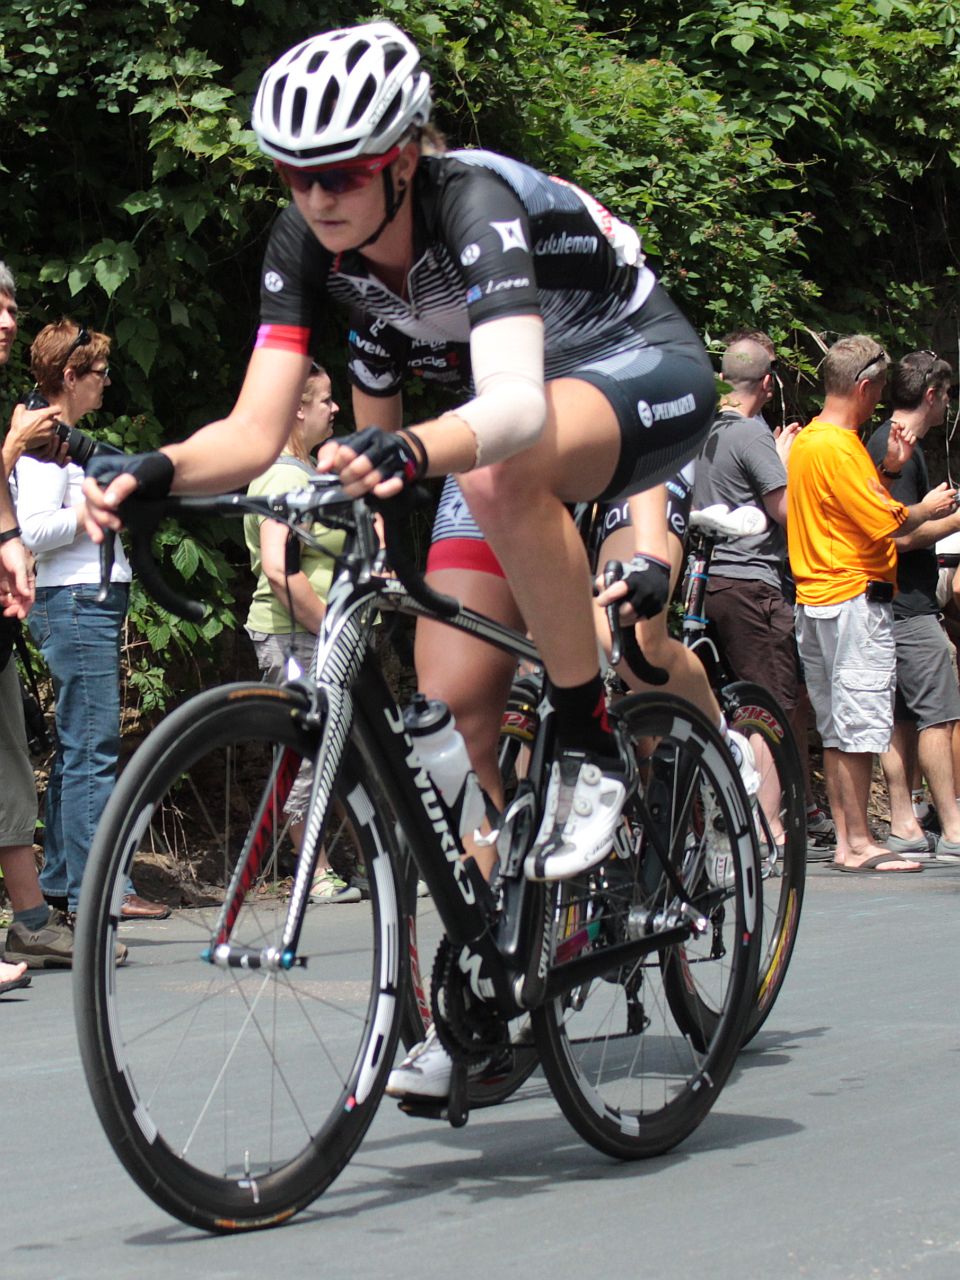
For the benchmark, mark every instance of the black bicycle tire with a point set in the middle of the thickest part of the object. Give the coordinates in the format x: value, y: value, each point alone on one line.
x: 635, y: 1134
x: 751, y: 708
x: 220, y: 1203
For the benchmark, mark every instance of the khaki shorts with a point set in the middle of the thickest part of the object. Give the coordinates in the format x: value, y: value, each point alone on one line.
x: 18, y: 795
x: 850, y: 663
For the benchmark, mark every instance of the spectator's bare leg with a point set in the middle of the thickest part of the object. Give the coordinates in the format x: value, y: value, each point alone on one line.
x: 898, y: 769
x: 19, y: 869
x: 936, y: 762
x: 848, y: 776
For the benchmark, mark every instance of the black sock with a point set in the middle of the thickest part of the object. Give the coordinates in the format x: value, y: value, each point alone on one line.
x: 582, y: 723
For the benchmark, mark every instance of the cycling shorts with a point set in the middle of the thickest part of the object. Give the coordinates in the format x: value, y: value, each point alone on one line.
x: 663, y: 393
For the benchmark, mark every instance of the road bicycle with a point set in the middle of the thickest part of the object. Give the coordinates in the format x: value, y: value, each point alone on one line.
x: 752, y: 710
x: 239, y: 1057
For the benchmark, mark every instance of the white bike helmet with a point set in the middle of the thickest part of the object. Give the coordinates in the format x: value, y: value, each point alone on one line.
x: 342, y: 94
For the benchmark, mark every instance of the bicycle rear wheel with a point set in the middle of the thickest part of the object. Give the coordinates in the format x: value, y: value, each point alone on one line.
x: 782, y: 826
x: 637, y: 1057
x: 234, y: 1096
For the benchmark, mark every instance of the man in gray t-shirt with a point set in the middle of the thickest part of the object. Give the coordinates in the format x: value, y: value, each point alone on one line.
x: 742, y: 464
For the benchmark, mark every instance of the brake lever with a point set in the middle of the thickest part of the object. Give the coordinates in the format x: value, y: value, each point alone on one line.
x: 623, y: 639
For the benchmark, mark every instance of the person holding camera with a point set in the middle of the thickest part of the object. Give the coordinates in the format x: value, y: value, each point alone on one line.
x: 37, y: 936
x: 78, y: 636
x: 841, y: 520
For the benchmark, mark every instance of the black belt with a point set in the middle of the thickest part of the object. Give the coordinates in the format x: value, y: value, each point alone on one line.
x: 949, y: 561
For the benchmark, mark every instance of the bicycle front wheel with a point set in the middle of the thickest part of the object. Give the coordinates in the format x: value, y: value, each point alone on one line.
x: 781, y: 817
x: 235, y: 1095
x: 637, y: 1056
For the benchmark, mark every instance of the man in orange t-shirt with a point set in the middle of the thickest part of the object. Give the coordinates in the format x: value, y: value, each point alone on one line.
x: 840, y: 518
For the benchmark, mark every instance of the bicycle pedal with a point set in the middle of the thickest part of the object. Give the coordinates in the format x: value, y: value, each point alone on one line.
x: 424, y: 1108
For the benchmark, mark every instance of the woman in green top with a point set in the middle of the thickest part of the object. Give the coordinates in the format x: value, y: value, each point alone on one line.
x: 286, y: 611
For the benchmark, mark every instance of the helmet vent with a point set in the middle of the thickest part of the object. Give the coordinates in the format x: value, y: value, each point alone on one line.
x: 392, y: 56
x: 328, y: 104
x: 355, y: 53
x: 363, y: 100
x: 296, y: 113
x: 278, y: 91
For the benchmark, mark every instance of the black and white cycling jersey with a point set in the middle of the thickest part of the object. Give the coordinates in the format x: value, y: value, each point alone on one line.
x: 495, y: 238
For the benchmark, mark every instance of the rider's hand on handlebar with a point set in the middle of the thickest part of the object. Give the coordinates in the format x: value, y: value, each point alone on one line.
x: 371, y: 461
x: 644, y: 589
x: 121, y: 475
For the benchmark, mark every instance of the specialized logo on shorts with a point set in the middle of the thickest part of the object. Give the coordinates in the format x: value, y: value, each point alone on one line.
x: 511, y: 235
x: 645, y: 412
x: 273, y: 282
x: 674, y: 408
x: 470, y: 254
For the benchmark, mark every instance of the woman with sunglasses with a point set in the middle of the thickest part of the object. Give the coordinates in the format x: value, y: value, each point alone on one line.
x: 587, y: 382
x: 78, y: 637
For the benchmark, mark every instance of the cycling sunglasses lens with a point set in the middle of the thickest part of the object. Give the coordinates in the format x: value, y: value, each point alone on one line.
x: 334, y: 181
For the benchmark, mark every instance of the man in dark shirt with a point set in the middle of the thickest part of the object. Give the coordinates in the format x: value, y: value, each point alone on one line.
x: 928, y: 701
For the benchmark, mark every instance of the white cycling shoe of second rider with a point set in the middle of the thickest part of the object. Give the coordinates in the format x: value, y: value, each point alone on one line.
x: 584, y: 804
x: 719, y: 856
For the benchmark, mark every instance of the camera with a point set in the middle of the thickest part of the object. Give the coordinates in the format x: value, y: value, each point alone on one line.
x: 80, y: 447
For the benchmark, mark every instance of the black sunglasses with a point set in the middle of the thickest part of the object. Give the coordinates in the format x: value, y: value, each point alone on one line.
x: 81, y: 340
x: 881, y: 355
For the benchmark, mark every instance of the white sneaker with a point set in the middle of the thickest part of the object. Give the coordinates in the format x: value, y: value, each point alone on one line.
x: 424, y: 1073
x: 582, y: 813
x: 742, y: 753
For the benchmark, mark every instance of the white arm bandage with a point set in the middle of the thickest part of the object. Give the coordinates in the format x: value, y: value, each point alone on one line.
x: 510, y: 408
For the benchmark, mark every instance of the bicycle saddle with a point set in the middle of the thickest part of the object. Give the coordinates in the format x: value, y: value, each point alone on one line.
x: 721, y: 522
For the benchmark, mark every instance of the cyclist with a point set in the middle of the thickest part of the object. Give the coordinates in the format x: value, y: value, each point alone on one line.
x: 589, y: 383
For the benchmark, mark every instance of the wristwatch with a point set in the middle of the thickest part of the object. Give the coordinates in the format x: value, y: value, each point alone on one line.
x: 891, y: 475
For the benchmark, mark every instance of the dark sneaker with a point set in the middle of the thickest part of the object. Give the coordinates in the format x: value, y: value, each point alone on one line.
x: 49, y: 947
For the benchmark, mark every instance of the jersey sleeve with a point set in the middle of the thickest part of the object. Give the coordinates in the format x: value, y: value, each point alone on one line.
x: 485, y: 228
x: 292, y: 284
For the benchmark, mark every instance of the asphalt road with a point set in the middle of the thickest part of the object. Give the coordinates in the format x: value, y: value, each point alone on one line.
x: 832, y: 1152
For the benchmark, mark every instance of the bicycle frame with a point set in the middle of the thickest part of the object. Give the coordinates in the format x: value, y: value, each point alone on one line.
x: 503, y: 952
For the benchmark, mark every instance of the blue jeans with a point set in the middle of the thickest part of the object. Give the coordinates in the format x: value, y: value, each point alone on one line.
x: 80, y: 643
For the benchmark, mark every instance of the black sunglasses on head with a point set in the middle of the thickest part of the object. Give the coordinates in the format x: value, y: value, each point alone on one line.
x: 881, y: 355
x: 81, y: 340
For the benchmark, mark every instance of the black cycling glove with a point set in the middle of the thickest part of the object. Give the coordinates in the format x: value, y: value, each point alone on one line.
x: 392, y: 453
x: 153, y: 472
x: 648, y: 585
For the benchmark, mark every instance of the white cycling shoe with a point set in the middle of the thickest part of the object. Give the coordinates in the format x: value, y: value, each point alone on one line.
x: 746, y: 762
x: 584, y: 804
x: 424, y: 1073
x: 719, y: 857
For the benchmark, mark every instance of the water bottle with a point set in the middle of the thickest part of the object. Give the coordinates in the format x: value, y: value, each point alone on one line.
x: 443, y: 753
